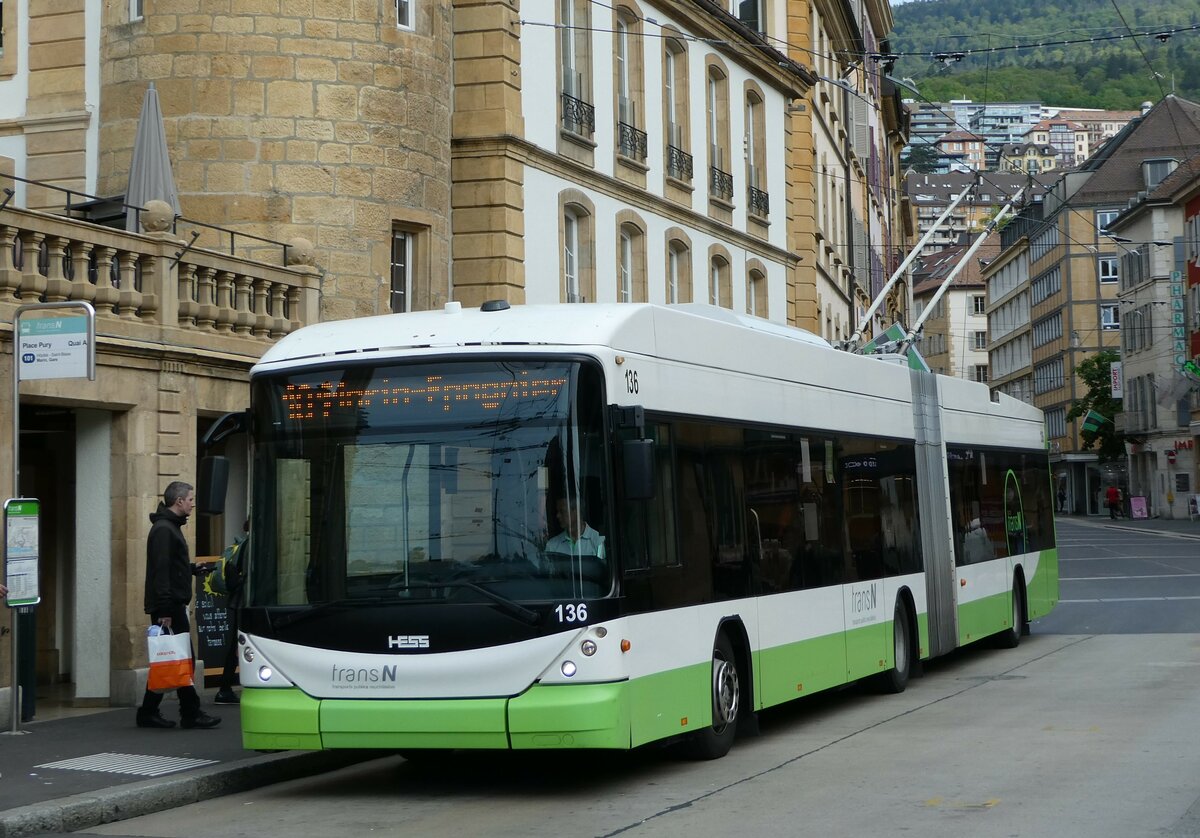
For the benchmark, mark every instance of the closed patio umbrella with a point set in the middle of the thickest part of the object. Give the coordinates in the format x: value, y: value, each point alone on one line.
x: 150, y: 168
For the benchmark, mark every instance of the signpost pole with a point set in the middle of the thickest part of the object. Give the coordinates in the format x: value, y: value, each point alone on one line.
x: 16, y: 444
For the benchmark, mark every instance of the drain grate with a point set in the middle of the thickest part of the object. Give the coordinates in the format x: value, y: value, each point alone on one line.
x: 143, y: 765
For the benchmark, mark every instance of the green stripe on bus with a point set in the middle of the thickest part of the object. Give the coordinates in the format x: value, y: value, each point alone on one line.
x: 1043, y: 588
x: 279, y: 720
x: 984, y: 617
x: 414, y: 723
x: 570, y: 716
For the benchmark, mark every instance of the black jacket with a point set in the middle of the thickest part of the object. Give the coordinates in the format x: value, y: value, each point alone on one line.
x: 168, y: 568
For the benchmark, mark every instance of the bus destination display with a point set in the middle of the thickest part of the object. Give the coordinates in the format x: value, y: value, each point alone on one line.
x: 401, y: 399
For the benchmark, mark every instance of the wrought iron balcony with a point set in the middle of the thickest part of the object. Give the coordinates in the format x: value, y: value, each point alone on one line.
x: 578, y: 116
x: 631, y: 142
x: 679, y: 163
x: 760, y: 202
x: 720, y: 183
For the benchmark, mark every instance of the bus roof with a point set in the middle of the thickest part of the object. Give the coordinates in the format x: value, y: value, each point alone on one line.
x: 620, y: 326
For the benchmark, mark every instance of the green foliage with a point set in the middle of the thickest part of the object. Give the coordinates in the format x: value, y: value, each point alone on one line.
x: 1095, y: 375
x: 1109, y: 74
x: 920, y: 158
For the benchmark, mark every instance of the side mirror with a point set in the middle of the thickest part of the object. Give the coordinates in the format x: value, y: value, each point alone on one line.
x: 211, y: 483
x: 638, y: 464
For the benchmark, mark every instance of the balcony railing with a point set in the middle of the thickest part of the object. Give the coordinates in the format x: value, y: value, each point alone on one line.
x: 679, y: 163
x: 141, y: 283
x: 631, y: 142
x: 759, y: 202
x: 721, y: 183
x: 578, y: 116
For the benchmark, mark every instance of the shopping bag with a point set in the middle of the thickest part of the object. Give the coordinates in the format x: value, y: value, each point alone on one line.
x: 170, y: 660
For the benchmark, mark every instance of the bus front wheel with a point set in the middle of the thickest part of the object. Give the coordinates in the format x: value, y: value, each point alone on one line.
x: 715, y: 741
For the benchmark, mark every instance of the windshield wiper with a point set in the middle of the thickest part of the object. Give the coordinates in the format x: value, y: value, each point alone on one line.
x: 321, y: 607
x: 508, y: 606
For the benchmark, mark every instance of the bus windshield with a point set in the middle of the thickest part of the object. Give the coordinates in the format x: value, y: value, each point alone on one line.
x: 481, y: 481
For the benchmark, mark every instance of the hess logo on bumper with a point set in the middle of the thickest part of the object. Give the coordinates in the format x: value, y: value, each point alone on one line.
x: 408, y: 641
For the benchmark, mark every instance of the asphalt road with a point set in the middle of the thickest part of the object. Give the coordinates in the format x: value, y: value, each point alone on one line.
x: 1088, y: 728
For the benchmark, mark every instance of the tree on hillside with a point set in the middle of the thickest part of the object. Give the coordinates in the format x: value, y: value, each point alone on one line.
x: 1095, y: 372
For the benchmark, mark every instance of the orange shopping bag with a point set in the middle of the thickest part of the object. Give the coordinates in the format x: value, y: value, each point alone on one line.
x: 170, y: 660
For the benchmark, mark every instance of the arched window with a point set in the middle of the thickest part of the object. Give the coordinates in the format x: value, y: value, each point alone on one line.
x: 675, y: 109
x: 756, y: 293
x: 628, y: 83
x: 717, y: 124
x: 720, y: 290
x: 631, y: 258
x: 577, y: 234
x: 678, y: 279
x: 757, y: 201
x: 578, y: 113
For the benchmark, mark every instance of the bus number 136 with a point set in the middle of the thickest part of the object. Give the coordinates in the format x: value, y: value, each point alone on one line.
x: 571, y: 613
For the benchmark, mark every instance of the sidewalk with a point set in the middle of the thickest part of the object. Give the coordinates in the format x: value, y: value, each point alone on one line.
x: 1180, y: 527
x: 123, y: 771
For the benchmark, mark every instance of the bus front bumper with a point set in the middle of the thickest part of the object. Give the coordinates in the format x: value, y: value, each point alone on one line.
x: 543, y: 717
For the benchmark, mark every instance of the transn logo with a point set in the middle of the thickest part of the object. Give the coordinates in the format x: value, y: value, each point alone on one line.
x: 408, y: 641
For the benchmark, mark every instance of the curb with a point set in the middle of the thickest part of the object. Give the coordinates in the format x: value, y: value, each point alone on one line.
x: 82, y: 811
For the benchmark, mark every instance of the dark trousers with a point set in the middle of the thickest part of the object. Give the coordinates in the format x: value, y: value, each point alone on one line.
x: 189, y: 699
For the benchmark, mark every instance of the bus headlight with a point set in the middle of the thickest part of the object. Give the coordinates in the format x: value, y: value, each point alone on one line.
x: 588, y: 647
x: 568, y: 668
x: 265, y: 673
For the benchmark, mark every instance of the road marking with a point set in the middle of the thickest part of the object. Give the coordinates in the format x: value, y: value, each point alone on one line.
x: 1114, y: 578
x: 141, y: 764
x: 1132, y: 599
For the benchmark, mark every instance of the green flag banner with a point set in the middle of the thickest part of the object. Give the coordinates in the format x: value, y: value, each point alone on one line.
x: 1093, y: 421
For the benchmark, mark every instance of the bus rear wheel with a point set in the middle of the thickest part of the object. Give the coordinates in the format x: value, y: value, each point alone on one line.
x: 896, y: 678
x: 715, y: 741
x: 1011, y: 636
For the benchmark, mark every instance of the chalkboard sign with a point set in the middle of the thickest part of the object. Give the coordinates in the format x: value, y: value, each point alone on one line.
x: 212, y: 632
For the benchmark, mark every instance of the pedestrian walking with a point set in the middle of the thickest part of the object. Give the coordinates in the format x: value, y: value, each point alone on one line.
x: 1062, y: 499
x: 1112, y: 499
x: 169, y: 573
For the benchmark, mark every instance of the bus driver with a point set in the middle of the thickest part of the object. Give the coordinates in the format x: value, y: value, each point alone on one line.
x: 576, y: 538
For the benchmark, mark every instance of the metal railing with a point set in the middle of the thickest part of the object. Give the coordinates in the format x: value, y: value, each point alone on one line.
x: 759, y: 202
x: 631, y: 142
x: 679, y: 163
x: 578, y: 116
x: 721, y: 183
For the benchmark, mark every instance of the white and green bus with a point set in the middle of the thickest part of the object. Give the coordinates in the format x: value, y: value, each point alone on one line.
x: 767, y: 517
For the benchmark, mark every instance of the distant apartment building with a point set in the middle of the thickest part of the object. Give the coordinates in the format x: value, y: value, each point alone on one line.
x: 998, y: 123
x: 1074, y: 275
x: 1101, y: 125
x: 930, y: 194
x: 1069, y: 140
x: 960, y: 151
x: 1029, y: 158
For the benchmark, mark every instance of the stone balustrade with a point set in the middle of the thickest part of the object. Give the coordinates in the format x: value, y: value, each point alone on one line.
x: 150, y: 285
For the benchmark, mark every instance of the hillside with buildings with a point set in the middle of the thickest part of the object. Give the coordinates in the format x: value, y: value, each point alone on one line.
x: 1071, y: 53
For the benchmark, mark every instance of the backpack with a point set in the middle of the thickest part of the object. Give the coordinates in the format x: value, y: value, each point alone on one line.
x: 227, y: 575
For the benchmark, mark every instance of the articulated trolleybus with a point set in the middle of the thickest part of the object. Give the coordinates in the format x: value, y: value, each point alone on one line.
x: 599, y: 526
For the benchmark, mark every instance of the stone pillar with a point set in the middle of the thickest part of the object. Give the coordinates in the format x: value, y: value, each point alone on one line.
x: 91, y: 660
